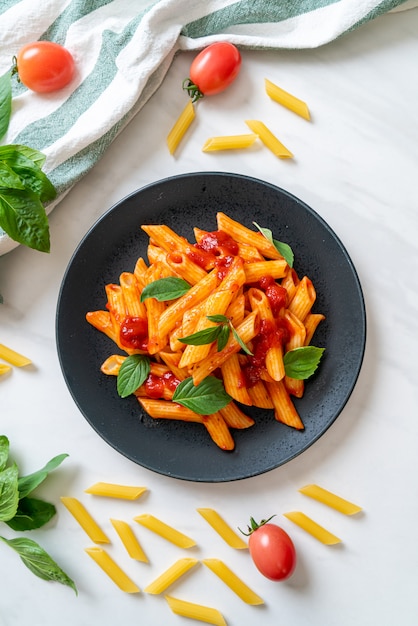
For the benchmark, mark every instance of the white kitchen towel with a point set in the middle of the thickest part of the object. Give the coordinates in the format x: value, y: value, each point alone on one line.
x: 123, y: 49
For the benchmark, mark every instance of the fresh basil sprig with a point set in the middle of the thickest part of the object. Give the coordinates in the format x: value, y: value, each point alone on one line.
x: 132, y: 373
x: 164, y: 289
x: 21, y: 512
x: 283, y: 248
x: 301, y: 363
x: 218, y: 333
x: 206, y: 398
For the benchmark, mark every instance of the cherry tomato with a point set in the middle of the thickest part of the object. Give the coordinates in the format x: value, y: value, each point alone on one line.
x: 271, y: 550
x: 44, y: 66
x: 213, y: 70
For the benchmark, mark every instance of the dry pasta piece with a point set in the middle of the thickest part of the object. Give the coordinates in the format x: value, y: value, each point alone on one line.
x: 131, y: 543
x: 195, y: 611
x: 12, y: 357
x: 180, y: 127
x: 330, y: 499
x: 287, y: 99
x: 4, y: 368
x: 111, y: 490
x: 164, y: 530
x: 235, y: 583
x: 112, y: 569
x: 170, y: 575
x: 269, y: 139
x: 83, y: 517
x: 229, y: 142
x: 222, y: 528
x: 311, y: 527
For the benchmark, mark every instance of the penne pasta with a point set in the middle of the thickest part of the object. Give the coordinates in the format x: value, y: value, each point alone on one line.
x: 218, y: 430
x: 165, y: 531
x: 287, y: 100
x: 170, y: 575
x: 111, y: 490
x: 131, y: 543
x: 12, y: 357
x: 235, y: 583
x: 180, y: 127
x: 4, y: 368
x: 310, y: 526
x: 330, y: 499
x: 112, y: 569
x: 269, y: 139
x: 195, y: 611
x: 229, y: 142
x: 222, y: 528
x: 83, y: 517
x: 284, y: 409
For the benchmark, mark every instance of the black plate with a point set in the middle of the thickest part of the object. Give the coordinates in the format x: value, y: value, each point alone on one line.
x: 112, y: 246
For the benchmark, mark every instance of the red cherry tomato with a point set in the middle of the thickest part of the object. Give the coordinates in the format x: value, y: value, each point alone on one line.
x: 44, y: 66
x: 213, y: 70
x: 271, y: 550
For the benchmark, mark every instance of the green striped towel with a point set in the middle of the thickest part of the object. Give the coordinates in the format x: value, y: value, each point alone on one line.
x: 123, y: 49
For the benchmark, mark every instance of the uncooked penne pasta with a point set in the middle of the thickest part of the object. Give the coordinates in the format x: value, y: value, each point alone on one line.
x: 131, y: 543
x: 229, y: 142
x: 164, y: 530
x: 269, y: 139
x: 112, y: 569
x: 83, y: 517
x: 313, y: 528
x: 287, y: 100
x: 12, y: 357
x: 4, y: 368
x: 111, y: 490
x: 170, y: 575
x: 195, y: 611
x: 233, y: 581
x: 180, y: 127
x: 222, y: 528
x: 330, y: 499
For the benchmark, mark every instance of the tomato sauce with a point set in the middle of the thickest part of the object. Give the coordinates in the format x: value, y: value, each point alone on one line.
x: 276, y: 294
x: 213, y: 247
x: 134, y: 333
x: 271, y: 334
x: 161, y: 386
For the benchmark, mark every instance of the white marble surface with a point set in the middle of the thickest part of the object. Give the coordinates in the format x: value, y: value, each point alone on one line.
x: 356, y: 165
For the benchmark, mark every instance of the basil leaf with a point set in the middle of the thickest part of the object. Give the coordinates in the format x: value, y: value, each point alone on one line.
x: 206, y: 398
x: 283, y: 248
x: 202, y: 337
x: 164, y: 289
x: 38, y: 561
x: 133, y: 372
x: 31, y: 513
x: 9, y: 493
x: 28, y: 483
x: 223, y: 337
x: 4, y: 451
x: 301, y: 363
x: 9, y: 178
x: 5, y: 102
x: 9, y: 151
x: 32, y: 176
x: 241, y: 343
x: 23, y: 218
x: 222, y: 319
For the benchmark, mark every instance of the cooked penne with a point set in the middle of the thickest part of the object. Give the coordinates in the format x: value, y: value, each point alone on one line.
x: 235, y: 583
x: 12, y: 357
x: 229, y: 142
x: 131, y: 295
x: 311, y: 527
x: 287, y: 100
x: 111, y: 490
x: 269, y: 139
x: 83, y: 517
x: 330, y: 499
x: 232, y: 377
x: 222, y: 528
x: 164, y: 530
x: 170, y: 575
x: 242, y: 234
x: 218, y: 430
x: 131, y: 543
x: 112, y: 569
x: 161, y: 409
x: 235, y: 418
x: 180, y: 127
x: 303, y: 299
x: 311, y: 324
x: 196, y: 611
x: 284, y: 409
x: 255, y: 271
x: 103, y: 322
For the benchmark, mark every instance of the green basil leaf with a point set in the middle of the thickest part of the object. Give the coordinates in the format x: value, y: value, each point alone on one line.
x: 31, y: 513
x: 283, y: 248
x: 5, y: 102
x: 9, y: 493
x: 23, y: 218
x: 202, y: 337
x: 241, y: 343
x: 9, y: 152
x: 9, y: 178
x: 164, y: 289
x: 32, y: 176
x: 133, y: 372
x: 223, y: 337
x: 4, y: 451
x: 28, y: 483
x: 206, y: 398
x: 219, y: 319
x: 38, y: 561
x: 301, y: 363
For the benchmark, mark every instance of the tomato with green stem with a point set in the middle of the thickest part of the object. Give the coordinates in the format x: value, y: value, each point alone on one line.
x: 44, y: 66
x: 213, y: 70
x: 271, y: 550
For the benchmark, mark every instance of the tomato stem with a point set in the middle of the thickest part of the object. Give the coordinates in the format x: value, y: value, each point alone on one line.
x: 14, y: 70
x: 192, y: 89
x: 255, y: 525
